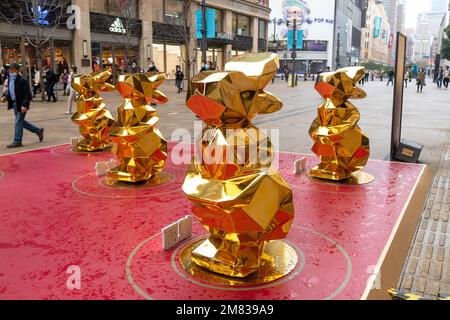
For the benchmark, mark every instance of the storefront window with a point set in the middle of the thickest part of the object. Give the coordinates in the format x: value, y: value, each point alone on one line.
x: 10, y: 50
x: 219, y: 21
x: 173, y: 12
x: 158, y: 56
x: 241, y: 25
x: 215, y: 55
x: 173, y: 59
x: 262, y: 25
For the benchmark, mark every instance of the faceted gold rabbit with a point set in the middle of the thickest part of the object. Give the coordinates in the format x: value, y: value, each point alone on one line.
x: 92, y: 116
x: 236, y: 193
x: 341, y: 145
x: 137, y: 142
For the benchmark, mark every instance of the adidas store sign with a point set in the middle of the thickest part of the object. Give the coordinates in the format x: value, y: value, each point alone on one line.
x: 117, y: 27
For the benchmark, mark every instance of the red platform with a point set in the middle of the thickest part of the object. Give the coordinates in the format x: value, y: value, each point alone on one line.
x: 55, y: 213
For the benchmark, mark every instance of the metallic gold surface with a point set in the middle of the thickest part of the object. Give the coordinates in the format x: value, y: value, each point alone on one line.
x: 92, y: 116
x: 157, y: 179
x: 356, y: 179
x: 238, y: 196
x: 341, y: 145
x: 137, y: 143
x: 278, y: 260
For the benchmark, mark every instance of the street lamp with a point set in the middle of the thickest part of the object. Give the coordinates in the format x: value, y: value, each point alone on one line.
x: 294, y: 47
x: 274, y: 30
x: 203, y: 30
x: 338, y: 53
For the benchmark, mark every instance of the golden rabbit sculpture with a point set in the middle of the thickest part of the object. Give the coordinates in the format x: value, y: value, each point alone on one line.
x: 236, y: 193
x: 339, y: 142
x: 138, y: 144
x: 92, y: 116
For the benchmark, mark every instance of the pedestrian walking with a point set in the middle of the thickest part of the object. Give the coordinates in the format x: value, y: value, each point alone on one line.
x: 421, y: 80
x: 440, y: 77
x: 72, y: 92
x: 286, y: 72
x: 446, y: 77
x: 391, y: 75
x: 65, y: 80
x: 406, y: 78
x: 179, y: 76
x: 50, y: 80
x: 19, y: 97
x: 36, y: 82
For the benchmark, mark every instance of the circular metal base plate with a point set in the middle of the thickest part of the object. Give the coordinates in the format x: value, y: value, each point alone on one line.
x: 278, y: 260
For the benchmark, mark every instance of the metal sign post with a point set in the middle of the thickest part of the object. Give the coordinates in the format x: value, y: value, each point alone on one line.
x: 397, y: 110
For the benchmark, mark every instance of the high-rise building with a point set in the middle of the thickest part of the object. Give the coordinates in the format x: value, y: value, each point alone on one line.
x: 375, y: 35
x: 440, y: 5
x: 391, y: 10
x: 347, y: 37
x: 401, y: 17
x: 428, y: 23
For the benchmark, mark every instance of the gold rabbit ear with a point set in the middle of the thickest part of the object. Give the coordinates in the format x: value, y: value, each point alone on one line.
x: 156, y: 78
x: 267, y: 103
x: 159, y: 97
x: 354, y: 73
x: 261, y: 67
x: 107, y: 87
x: 101, y: 76
x: 358, y: 93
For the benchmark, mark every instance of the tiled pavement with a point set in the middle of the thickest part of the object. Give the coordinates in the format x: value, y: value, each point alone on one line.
x: 427, y: 270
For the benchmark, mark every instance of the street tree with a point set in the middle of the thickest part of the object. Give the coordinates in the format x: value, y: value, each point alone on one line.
x: 188, y: 34
x: 37, y: 20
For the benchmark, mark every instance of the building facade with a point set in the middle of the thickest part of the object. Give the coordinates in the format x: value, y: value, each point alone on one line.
x: 391, y: 7
x: 375, y: 36
x: 115, y: 33
x: 347, y: 32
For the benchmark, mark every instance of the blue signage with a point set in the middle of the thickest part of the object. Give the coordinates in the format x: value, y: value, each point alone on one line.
x: 298, y: 39
x: 377, y: 27
x: 210, y: 23
x: 41, y: 16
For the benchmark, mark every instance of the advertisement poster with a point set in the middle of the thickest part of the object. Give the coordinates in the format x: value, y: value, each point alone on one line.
x: 315, y: 18
x: 377, y: 27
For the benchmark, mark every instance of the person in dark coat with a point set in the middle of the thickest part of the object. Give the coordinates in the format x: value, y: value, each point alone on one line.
x: 152, y: 67
x: 179, y: 76
x: 50, y: 80
x: 19, y: 97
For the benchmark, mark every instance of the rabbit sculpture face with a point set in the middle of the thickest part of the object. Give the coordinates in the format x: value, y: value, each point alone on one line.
x: 142, y: 86
x: 339, y: 86
x: 90, y: 85
x: 234, y: 97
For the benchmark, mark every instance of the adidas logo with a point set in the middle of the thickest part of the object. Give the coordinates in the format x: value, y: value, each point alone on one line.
x: 117, y: 27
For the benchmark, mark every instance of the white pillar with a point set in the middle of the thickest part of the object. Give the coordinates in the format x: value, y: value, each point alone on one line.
x: 254, y: 29
x: 82, y: 35
x: 145, y: 45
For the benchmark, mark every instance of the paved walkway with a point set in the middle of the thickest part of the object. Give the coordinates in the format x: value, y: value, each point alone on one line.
x: 427, y: 270
x: 426, y: 120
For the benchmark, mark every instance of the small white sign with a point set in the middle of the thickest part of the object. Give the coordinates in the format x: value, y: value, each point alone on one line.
x: 102, y: 167
x: 177, y: 232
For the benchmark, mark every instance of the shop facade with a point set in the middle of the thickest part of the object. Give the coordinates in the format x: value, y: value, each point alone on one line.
x: 146, y: 30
